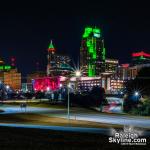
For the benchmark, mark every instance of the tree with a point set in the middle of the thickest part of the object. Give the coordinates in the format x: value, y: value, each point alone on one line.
x: 97, y: 96
x: 141, y: 84
x: 39, y: 95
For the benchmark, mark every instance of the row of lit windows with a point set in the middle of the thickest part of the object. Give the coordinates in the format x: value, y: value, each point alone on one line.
x: 16, y: 81
x: 18, y: 76
x: 89, y: 84
x: 115, y: 83
x: 117, y: 87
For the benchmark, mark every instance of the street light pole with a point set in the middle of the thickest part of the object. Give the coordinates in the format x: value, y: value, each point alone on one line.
x: 77, y: 74
x: 68, y: 114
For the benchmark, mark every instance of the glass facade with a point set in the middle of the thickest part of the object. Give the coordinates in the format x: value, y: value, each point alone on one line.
x: 92, y: 52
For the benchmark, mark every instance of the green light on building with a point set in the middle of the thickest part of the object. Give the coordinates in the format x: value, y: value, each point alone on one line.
x: 94, y: 46
x: 91, y: 49
x: 92, y: 38
x: 5, y: 67
x: 94, y: 56
x: 142, y: 58
x: 96, y: 30
x: 104, y: 53
x: 91, y: 70
x: 1, y: 68
x: 87, y: 32
x: 88, y: 43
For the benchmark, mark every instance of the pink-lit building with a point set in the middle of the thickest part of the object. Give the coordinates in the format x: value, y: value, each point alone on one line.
x: 46, y: 84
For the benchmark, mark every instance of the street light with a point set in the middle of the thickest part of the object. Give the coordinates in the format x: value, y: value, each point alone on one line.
x: 121, y: 92
x: 60, y: 85
x: 48, y: 89
x: 7, y: 87
x: 60, y: 91
x: 77, y: 73
x: 136, y: 93
x: 68, y: 112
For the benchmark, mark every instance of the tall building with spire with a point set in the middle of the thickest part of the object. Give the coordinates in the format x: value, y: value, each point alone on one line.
x: 51, y: 59
x: 58, y: 65
x: 92, y: 52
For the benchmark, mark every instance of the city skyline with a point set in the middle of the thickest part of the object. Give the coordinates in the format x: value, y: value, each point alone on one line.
x: 74, y: 74
x: 26, y: 31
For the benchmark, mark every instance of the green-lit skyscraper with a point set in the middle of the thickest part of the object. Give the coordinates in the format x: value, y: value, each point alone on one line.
x: 92, y: 52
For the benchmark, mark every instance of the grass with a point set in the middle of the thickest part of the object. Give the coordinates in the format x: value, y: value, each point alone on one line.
x: 37, y: 139
x: 39, y: 104
x: 46, y: 105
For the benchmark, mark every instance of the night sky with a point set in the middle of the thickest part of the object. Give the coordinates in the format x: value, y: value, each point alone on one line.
x: 27, y: 28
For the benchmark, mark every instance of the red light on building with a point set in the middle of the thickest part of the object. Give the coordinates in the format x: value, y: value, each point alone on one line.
x: 13, y: 61
x: 46, y: 83
x: 125, y: 65
x: 140, y: 54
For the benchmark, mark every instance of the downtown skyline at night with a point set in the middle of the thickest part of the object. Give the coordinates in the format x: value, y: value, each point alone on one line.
x: 27, y: 34
x: 74, y: 75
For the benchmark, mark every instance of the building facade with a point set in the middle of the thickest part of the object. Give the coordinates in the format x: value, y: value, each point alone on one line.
x: 11, y: 78
x: 111, y: 65
x: 35, y: 75
x: 92, y: 52
x: 58, y: 65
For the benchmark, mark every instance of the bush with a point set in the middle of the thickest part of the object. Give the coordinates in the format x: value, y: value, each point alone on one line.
x: 142, y: 109
x: 94, y: 98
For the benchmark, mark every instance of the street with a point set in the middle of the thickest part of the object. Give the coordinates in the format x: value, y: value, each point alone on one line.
x: 82, y: 114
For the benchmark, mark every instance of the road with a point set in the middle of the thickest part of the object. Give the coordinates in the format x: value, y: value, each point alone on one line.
x: 83, y: 114
x: 59, y: 128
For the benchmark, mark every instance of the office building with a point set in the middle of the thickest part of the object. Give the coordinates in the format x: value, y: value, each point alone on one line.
x: 92, y: 52
x: 35, y: 75
x: 111, y: 65
x: 58, y: 65
x: 12, y: 78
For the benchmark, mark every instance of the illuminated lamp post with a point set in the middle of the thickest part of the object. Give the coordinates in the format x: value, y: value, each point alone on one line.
x: 136, y: 94
x: 60, y: 85
x: 7, y: 87
x: 78, y: 75
x: 68, y: 108
x: 60, y: 95
x: 48, y: 89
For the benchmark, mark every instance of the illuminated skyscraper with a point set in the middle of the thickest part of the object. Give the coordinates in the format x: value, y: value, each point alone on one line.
x: 92, y: 52
x: 58, y: 65
x: 51, y: 60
